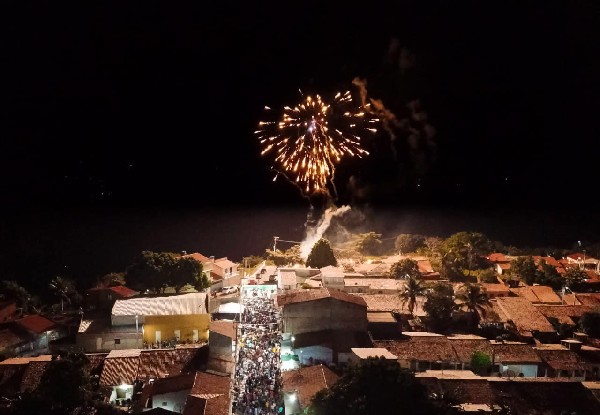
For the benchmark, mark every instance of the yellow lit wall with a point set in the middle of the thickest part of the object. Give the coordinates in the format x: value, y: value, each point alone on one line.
x: 167, y: 325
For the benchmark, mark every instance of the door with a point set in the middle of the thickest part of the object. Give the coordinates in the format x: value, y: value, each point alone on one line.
x: 195, y: 338
x: 178, y: 334
x: 98, y: 343
x: 157, y: 334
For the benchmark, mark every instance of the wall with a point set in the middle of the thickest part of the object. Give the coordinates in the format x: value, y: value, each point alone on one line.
x: 128, y: 340
x: 529, y: 371
x: 324, y: 314
x: 175, y: 401
x: 321, y: 353
x: 168, y: 324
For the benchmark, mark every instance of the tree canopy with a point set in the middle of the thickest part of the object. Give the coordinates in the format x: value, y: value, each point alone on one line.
x: 374, y: 387
x: 464, y: 251
x: 321, y: 255
x: 439, y: 306
x: 155, y: 271
x: 406, y: 242
x: 404, y: 269
x: 411, y: 291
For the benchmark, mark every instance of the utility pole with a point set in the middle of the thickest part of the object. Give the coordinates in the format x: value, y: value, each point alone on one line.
x: 275, y: 238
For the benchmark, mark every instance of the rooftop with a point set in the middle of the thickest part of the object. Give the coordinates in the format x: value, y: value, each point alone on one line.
x: 299, y: 296
x: 366, y: 352
x: 308, y: 381
x: 184, y: 304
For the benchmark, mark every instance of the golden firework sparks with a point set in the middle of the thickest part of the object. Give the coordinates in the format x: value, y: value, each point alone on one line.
x: 311, y: 138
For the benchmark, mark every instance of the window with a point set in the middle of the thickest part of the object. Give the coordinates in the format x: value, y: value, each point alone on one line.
x: 178, y: 334
x: 117, y: 341
x: 164, y: 403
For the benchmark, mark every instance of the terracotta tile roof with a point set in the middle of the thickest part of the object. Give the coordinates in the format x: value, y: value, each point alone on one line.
x: 549, y: 260
x: 33, y: 374
x: 366, y: 352
x: 330, y: 269
x: 172, y: 384
x: 525, y: 292
x: 26, y: 360
x: 546, y: 294
x: 223, y: 327
x: 183, y: 304
x: 10, y: 339
x: 381, y: 302
x: 472, y: 391
x: 308, y: 381
x: 96, y: 362
x: 524, y: 315
x: 425, y: 348
x: 209, y: 395
x: 120, y: 367
x: 495, y: 288
x: 526, y: 396
x: 288, y: 278
x: 562, y: 359
x: 497, y: 257
x: 298, y: 296
x: 160, y: 363
x: 514, y: 352
x: 225, y: 263
x: 425, y: 266
x: 10, y: 379
x: 198, y: 257
x: 591, y: 299
x: 464, y: 348
x: 375, y: 283
x: 504, y: 266
x: 123, y: 291
x: 35, y: 324
x: 565, y: 313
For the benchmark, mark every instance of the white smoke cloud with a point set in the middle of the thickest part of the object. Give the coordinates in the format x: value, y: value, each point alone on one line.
x: 314, y: 233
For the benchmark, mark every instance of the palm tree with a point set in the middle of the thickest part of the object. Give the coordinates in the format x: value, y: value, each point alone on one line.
x: 63, y: 288
x: 412, y: 290
x: 474, y: 299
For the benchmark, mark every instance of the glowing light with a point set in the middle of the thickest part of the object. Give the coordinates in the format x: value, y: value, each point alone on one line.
x: 308, y: 140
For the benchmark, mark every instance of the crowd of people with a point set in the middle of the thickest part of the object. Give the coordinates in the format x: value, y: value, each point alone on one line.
x: 257, y: 388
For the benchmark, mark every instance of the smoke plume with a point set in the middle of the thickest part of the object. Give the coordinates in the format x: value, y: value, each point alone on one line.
x: 314, y: 233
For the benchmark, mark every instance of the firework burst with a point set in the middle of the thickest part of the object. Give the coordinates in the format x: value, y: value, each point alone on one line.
x: 310, y: 139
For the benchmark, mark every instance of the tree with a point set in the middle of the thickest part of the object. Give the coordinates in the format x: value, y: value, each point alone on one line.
x: 64, y: 289
x: 574, y: 276
x: 287, y: 257
x: 404, y: 269
x: 439, y: 306
x: 112, y: 279
x: 488, y: 275
x: 548, y: 275
x: 434, y: 245
x: 150, y: 271
x: 481, y: 363
x: 524, y: 268
x: 464, y: 250
x: 321, y: 255
x: 590, y: 324
x: 11, y: 290
x: 374, y: 387
x: 183, y: 271
x: 406, y: 242
x: 369, y: 243
x: 412, y: 290
x: 473, y: 299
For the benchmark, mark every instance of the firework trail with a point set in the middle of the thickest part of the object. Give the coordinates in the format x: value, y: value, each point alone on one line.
x: 309, y: 140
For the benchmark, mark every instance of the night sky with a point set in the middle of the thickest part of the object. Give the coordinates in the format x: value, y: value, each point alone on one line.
x: 119, y: 105
x: 116, y: 103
